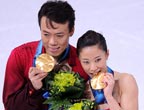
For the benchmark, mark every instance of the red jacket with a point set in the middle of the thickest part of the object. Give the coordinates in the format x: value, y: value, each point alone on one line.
x: 18, y: 92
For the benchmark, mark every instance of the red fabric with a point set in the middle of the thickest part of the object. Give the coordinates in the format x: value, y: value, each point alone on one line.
x: 18, y: 92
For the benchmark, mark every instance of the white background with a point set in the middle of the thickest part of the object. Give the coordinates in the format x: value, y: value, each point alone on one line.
x: 120, y: 21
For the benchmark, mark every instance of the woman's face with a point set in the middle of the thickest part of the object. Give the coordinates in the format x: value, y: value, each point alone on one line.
x: 93, y: 60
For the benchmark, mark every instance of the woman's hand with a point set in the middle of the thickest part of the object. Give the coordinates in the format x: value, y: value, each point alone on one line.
x: 109, y: 80
x: 36, y: 76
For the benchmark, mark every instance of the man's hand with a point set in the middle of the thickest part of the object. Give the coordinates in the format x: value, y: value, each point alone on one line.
x: 36, y: 76
x: 88, y: 92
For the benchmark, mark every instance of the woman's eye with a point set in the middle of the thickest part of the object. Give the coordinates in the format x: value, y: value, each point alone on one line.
x: 97, y: 60
x: 85, y: 62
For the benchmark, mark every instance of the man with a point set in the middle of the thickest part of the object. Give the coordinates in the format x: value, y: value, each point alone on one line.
x: 23, y: 81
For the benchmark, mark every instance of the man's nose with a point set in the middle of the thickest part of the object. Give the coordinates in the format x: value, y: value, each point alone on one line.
x: 52, y: 40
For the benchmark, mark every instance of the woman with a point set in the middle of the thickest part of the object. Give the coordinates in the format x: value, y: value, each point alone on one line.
x: 120, y: 91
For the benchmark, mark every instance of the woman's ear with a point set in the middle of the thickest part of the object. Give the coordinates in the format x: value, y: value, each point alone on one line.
x: 107, y: 54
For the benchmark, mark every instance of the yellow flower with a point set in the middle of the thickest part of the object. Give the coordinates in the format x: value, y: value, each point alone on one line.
x: 76, y: 106
x: 63, y: 80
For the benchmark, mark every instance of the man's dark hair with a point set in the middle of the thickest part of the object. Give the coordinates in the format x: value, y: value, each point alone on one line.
x: 57, y: 11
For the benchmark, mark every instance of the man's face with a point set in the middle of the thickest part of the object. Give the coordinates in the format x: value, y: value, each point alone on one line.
x: 55, y: 39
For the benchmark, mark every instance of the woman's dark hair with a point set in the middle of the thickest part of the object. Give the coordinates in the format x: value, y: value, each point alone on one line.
x: 91, y: 38
x: 59, y: 12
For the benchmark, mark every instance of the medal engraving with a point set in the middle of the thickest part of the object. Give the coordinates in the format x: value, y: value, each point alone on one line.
x: 96, y: 81
x: 45, y: 62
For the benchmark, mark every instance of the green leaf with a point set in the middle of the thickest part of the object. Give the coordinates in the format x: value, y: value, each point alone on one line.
x: 56, y: 103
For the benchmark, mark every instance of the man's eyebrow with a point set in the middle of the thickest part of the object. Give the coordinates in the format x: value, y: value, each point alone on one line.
x: 60, y: 33
x: 45, y: 31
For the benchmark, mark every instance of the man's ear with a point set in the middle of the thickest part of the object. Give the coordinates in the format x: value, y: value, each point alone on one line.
x: 72, y: 31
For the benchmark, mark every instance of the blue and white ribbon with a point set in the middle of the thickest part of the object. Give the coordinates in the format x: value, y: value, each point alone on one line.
x: 99, y: 94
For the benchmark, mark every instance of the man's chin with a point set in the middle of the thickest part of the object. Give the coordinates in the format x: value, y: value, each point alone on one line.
x: 55, y: 55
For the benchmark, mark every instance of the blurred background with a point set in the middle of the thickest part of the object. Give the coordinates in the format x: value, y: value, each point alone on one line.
x: 120, y: 21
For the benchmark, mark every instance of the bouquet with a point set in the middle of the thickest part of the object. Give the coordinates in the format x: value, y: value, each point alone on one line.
x: 66, y: 92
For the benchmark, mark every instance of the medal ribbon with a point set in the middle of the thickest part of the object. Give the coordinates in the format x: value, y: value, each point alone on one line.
x: 38, y: 52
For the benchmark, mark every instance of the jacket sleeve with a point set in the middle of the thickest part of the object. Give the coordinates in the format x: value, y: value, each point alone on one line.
x: 18, y: 92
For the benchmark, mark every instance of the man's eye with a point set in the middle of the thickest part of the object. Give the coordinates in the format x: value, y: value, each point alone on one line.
x: 46, y: 34
x: 60, y: 35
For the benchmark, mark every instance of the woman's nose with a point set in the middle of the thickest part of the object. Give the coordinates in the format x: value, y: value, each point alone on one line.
x: 93, y: 68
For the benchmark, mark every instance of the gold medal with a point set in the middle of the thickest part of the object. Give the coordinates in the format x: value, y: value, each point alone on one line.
x: 45, y: 62
x: 96, y: 81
